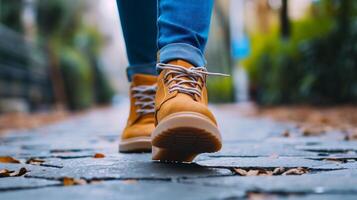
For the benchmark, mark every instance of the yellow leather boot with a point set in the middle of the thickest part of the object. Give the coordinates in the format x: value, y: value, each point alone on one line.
x: 140, y: 124
x: 185, y: 127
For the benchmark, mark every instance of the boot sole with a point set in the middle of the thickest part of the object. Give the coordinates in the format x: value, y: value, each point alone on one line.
x: 180, y: 137
x: 135, y: 145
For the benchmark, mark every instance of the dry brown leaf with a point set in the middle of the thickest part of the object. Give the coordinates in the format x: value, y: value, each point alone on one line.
x: 99, y: 155
x: 34, y: 161
x: 279, y: 171
x: 351, y: 135
x: 8, y: 159
x: 253, y: 172
x: 334, y: 160
x: 95, y: 181
x: 67, y: 181
x: 8, y: 173
x: 240, y: 171
x: 5, y: 172
x: 296, y: 171
x: 312, y: 130
x: 286, y: 133
x: 21, y: 172
x: 130, y: 181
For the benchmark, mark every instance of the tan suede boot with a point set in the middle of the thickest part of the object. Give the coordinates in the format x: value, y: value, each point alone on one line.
x: 140, y: 124
x: 185, y: 127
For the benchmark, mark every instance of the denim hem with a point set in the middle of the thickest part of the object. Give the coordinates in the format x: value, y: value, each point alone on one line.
x: 148, y: 68
x: 182, y: 51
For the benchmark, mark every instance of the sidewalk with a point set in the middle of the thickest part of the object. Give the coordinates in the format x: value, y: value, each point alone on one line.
x: 78, y: 159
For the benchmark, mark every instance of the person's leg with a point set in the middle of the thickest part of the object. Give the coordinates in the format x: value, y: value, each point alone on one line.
x: 183, y: 30
x: 185, y: 126
x: 138, y: 20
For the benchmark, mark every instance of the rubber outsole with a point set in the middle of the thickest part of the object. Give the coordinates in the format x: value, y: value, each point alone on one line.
x: 135, y: 145
x: 180, y: 137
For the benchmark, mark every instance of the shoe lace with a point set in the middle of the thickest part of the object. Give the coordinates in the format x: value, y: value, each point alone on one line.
x: 145, y: 98
x: 186, y: 80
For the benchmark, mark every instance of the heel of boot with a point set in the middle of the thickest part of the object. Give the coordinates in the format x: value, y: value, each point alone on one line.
x: 172, y: 155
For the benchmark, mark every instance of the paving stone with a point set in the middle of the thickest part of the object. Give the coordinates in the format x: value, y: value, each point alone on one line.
x: 260, y: 149
x: 16, y: 183
x: 125, y: 170
x: 68, y: 148
x: 109, y: 159
x: 235, y: 128
x: 334, y: 182
x: 127, y: 190
x: 332, y: 147
x: 268, y: 162
x: 319, y: 197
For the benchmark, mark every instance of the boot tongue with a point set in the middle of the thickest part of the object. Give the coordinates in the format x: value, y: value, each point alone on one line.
x: 181, y: 63
x: 143, y: 79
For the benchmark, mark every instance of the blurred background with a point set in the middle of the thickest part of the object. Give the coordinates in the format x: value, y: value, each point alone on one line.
x: 69, y: 55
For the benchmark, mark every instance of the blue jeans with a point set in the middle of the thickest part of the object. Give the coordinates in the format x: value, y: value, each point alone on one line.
x: 164, y: 30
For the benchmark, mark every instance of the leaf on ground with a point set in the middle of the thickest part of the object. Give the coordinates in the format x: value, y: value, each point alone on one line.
x: 130, y: 181
x: 67, y: 181
x: 278, y: 171
x: 351, y: 135
x: 8, y: 159
x: 296, y: 171
x: 339, y: 160
x: 34, y: 161
x: 253, y: 173
x: 9, y: 173
x: 240, y: 171
x: 21, y: 172
x: 269, y: 172
x: 99, y: 155
x: 286, y: 133
x: 5, y: 172
x: 312, y: 130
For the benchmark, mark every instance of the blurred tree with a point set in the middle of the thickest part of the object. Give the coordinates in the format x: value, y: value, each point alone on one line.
x: 317, y: 64
x: 10, y: 14
x: 284, y: 19
x: 74, y: 50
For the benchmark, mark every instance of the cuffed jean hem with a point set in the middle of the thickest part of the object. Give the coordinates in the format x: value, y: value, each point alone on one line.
x: 148, y: 68
x: 182, y: 51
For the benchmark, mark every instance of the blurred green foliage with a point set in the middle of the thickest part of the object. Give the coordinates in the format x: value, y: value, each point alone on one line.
x: 317, y: 64
x: 75, y: 47
x: 10, y: 14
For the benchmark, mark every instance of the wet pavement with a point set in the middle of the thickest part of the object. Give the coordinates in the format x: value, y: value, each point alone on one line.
x: 78, y: 159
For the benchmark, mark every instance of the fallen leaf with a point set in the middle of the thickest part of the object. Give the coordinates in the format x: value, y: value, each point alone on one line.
x: 8, y: 159
x: 240, y: 171
x: 5, y: 172
x: 8, y: 173
x: 95, y: 181
x: 312, y: 130
x: 34, y: 161
x: 334, y: 160
x: 253, y: 173
x: 278, y: 171
x: 99, y: 155
x: 296, y: 171
x: 21, y: 172
x: 67, y: 181
x: 130, y: 181
x: 286, y: 133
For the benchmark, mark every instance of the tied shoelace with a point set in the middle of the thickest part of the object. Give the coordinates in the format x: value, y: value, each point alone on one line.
x: 186, y: 80
x: 145, y: 98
